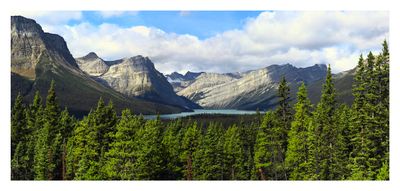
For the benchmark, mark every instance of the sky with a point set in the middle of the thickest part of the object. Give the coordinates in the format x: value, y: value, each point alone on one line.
x: 221, y: 41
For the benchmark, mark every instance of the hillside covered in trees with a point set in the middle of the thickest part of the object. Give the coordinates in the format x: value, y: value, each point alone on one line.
x: 326, y: 141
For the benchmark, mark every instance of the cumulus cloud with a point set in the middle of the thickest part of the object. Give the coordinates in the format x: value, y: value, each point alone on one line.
x: 109, y: 14
x: 51, y: 18
x: 299, y: 38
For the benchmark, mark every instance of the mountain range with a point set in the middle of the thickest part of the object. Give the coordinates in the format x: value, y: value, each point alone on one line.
x: 257, y: 89
x: 38, y: 57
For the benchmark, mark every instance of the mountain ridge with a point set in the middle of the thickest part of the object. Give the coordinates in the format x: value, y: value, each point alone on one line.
x: 37, y: 58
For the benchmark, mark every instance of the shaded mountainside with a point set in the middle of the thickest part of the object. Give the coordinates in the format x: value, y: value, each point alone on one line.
x: 37, y: 58
x: 134, y: 77
x: 343, y: 84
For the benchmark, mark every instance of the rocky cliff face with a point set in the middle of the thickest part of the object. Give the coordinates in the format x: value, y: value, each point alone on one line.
x: 248, y: 90
x: 134, y: 77
x: 179, y: 81
x: 92, y: 64
x: 37, y: 58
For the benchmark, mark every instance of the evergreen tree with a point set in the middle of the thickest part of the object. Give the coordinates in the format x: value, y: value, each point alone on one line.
x: 209, y: 161
x: 148, y: 153
x: 267, y: 149
x: 284, y: 115
x: 19, y: 138
x: 18, y: 123
x: 190, y: 144
x: 34, y: 120
x: 234, y: 155
x: 297, y: 154
x: 325, y: 149
x: 120, y: 159
x: 90, y: 142
x: 47, y: 159
x: 248, y: 133
x: 172, y: 149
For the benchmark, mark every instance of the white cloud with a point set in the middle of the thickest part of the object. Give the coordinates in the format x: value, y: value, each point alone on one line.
x: 109, y: 14
x: 51, y: 18
x: 299, y: 38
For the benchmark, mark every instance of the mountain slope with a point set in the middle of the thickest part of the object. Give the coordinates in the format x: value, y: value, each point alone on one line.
x: 133, y: 77
x: 249, y: 90
x: 38, y: 57
x: 343, y: 84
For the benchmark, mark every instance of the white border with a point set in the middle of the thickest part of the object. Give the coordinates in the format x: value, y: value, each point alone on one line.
x: 27, y: 5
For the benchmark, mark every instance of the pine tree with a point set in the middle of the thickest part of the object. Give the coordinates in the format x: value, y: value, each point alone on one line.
x: 267, y: 148
x: 148, y: 153
x: 66, y: 127
x: 172, y: 149
x: 190, y: 144
x: 120, y: 158
x: 91, y: 140
x: 18, y: 123
x: 34, y: 120
x: 209, y: 161
x: 47, y: 159
x: 234, y: 155
x: 325, y: 149
x: 284, y: 115
x: 248, y: 133
x: 297, y: 154
x: 19, y: 139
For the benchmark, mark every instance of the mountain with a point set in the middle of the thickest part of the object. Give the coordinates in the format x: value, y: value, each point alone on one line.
x: 134, y: 77
x: 179, y: 81
x: 248, y: 90
x: 343, y: 82
x: 38, y: 57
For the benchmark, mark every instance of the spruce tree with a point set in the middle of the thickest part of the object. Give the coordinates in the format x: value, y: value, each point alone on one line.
x: 148, y: 153
x: 120, y: 159
x: 172, y: 149
x: 324, y: 145
x: 284, y: 115
x: 234, y: 155
x: 297, y: 154
x: 47, y: 158
x: 190, y: 144
x: 18, y: 123
x: 209, y: 160
x: 19, y: 141
x: 267, y: 148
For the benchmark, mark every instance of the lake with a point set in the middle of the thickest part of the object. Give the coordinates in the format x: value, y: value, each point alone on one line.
x: 201, y: 111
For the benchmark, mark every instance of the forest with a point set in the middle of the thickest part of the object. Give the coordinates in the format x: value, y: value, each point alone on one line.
x: 326, y: 141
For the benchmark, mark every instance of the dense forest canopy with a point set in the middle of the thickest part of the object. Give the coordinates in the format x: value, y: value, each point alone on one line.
x: 326, y: 141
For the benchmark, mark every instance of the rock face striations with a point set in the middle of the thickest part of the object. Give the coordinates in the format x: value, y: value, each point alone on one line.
x: 134, y: 77
x: 258, y: 88
x: 248, y: 90
x: 37, y: 58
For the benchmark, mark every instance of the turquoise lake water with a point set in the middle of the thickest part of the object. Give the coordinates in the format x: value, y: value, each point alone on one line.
x: 201, y: 111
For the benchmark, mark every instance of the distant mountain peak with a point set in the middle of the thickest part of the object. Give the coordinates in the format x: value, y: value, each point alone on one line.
x: 91, y: 55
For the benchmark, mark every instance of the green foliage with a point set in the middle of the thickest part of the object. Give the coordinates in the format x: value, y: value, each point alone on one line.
x: 171, y: 143
x: 333, y: 142
x: 120, y: 159
x: 297, y: 152
x: 209, y: 157
x: 268, y: 149
x: 148, y: 153
x: 190, y: 143
x: 234, y: 153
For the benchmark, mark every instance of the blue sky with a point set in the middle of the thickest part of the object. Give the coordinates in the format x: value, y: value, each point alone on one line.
x: 221, y: 41
x: 202, y: 24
